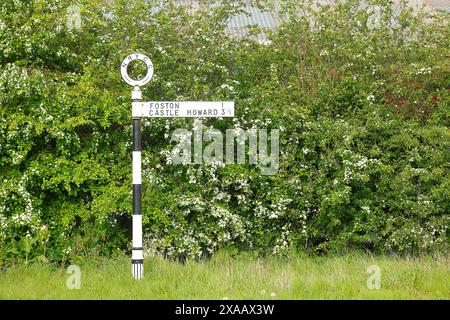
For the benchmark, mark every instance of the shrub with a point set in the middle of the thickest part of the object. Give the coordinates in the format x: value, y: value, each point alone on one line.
x: 363, y: 112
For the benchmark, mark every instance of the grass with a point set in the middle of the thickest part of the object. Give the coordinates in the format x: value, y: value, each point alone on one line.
x: 241, y: 277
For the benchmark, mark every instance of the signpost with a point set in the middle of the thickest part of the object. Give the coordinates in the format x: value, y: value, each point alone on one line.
x: 188, y: 109
x: 157, y: 109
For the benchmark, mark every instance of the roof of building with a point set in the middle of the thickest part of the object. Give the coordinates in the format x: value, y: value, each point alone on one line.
x: 438, y: 4
x: 269, y: 20
x: 240, y: 24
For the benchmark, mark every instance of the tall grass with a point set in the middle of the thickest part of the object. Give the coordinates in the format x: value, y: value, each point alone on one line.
x: 224, y: 277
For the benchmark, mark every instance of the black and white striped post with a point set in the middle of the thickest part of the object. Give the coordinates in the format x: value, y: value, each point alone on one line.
x: 137, y: 256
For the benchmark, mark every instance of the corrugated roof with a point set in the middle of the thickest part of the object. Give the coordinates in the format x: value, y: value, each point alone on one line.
x: 438, y: 4
x: 240, y: 24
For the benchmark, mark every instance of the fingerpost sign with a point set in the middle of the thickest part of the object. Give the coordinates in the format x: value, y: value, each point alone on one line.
x: 156, y: 109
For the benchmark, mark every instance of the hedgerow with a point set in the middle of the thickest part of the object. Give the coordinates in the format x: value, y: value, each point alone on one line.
x: 362, y: 106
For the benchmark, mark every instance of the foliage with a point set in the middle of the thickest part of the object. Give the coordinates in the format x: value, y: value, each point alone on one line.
x: 362, y: 105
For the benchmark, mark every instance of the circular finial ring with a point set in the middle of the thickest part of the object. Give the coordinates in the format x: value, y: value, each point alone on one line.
x: 124, y: 67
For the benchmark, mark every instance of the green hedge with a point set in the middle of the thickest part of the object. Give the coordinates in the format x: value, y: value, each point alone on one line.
x: 363, y: 110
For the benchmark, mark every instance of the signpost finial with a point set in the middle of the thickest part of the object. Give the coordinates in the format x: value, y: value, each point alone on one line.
x: 124, y: 69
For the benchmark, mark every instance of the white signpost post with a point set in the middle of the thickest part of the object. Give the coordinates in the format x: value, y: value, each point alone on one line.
x: 157, y: 109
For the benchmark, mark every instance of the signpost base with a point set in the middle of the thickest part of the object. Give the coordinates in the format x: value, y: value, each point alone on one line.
x: 137, y: 268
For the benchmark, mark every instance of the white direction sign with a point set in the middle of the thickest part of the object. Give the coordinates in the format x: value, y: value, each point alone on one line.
x: 183, y: 109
